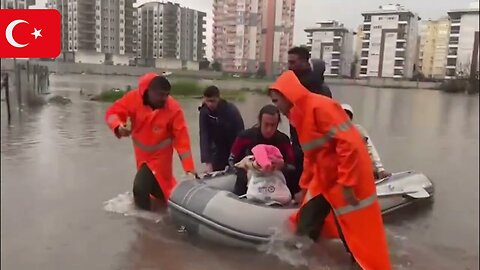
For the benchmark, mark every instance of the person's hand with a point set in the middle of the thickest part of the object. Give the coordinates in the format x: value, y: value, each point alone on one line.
x: 208, y: 167
x: 384, y: 174
x: 300, y: 196
x: 123, y: 131
x: 349, y: 196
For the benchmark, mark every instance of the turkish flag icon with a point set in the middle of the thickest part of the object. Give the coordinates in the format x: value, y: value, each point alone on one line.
x: 30, y: 33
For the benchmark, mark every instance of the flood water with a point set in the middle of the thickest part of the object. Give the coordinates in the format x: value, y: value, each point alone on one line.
x: 61, y: 164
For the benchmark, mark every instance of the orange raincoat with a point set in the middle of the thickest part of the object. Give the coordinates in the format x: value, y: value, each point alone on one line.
x: 336, y: 156
x: 154, y: 133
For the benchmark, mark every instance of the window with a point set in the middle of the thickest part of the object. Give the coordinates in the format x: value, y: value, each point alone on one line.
x: 450, y: 72
x: 400, y: 54
x: 363, y: 71
x: 364, y: 62
x: 364, y: 53
x: 404, y: 17
x: 366, y: 27
x: 451, y: 62
x: 453, y: 40
x: 455, y: 30
x: 452, y: 51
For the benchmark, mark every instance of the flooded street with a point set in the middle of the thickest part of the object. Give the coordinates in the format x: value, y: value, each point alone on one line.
x: 61, y: 164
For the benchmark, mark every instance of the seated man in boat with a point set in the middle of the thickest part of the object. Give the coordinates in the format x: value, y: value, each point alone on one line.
x: 265, y: 132
x: 220, y: 123
x: 266, y: 182
x: 378, y: 170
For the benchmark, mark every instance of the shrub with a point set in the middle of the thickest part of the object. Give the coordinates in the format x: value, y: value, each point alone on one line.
x: 111, y: 95
x: 186, y: 88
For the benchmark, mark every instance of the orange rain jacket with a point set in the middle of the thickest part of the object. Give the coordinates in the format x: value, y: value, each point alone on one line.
x: 154, y: 133
x: 336, y: 156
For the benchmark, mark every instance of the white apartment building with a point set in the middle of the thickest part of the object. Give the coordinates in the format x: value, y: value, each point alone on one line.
x: 97, y: 31
x: 170, y: 36
x: 332, y: 42
x: 390, y: 42
x: 463, y: 44
x: 16, y: 4
x: 249, y: 35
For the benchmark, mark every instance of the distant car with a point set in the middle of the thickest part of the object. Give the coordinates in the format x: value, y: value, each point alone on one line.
x: 167, y: 73
x: 236, y: 76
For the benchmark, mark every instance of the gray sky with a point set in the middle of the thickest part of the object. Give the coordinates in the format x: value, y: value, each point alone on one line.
x: 346, y: 11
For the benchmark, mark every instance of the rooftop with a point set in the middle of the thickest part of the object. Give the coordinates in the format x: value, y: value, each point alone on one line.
x: 472, y: 8
x: 389, y: 9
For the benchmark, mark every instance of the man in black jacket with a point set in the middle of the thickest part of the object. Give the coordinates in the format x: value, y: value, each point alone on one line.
x: 313, y: 80
x: 220, y: 122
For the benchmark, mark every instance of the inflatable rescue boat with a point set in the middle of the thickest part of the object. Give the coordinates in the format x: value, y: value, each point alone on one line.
x: 207, y: 207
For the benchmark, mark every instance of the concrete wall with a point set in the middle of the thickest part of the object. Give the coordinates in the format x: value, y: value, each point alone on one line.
x: 123, y: 60
x: 192, y: 65
x: 89, y: 57
x: 76, y: 68
x: 168, y: 63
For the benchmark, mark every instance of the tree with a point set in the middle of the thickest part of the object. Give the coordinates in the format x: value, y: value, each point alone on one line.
x: 216, y: 66
x: 204, y: 64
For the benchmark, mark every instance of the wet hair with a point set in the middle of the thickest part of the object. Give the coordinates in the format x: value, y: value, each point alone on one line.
x: 211, y: 91
x: 270, y: 110
x: 301, y: 52
x: 160, y: 83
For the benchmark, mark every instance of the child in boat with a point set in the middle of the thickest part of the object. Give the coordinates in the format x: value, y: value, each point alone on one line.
x: 266, y: 182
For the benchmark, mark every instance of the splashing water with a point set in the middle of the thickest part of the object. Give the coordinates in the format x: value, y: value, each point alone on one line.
x: 123, y: 204
x: 287, y: 247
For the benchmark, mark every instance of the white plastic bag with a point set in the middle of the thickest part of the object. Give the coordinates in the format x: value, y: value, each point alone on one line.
x: 268, y: 188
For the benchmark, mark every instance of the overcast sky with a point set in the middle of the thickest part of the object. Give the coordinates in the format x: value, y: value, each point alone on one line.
x: 346, y: 11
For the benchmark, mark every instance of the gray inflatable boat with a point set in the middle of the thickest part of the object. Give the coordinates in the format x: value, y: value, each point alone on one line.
x: 207, y: 207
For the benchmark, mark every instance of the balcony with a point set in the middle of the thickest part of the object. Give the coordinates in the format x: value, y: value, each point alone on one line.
x: 455, y: 22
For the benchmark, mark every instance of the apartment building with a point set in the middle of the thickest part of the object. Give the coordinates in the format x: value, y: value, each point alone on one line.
x: 170, y: 36
x: 358, y: 41
x: 249, y: 35
x: 434, y: 47
x: 390, y: 42
x: 97, y: 31
x: 463, y: 43
x: 16, y: 4
x: 332, y: 42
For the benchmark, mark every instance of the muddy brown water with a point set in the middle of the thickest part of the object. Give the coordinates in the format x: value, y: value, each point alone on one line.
x: 61, y: 163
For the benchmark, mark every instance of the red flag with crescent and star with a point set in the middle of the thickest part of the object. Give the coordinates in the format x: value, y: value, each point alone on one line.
x: 30, y: 33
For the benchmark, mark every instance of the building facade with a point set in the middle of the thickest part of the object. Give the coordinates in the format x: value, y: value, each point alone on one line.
x: 358, y: 41
x: 170, y: 35
x: 331, y: 42
x: 434, y: 47
x: 249, y: 35
x: 390, y: 42
x: 463, y: 43
x: 16, y: 4
x: 97, y: 31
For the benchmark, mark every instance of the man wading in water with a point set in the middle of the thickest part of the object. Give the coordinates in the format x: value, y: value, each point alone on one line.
x: 158, y: 127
